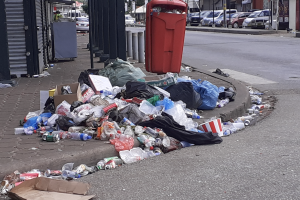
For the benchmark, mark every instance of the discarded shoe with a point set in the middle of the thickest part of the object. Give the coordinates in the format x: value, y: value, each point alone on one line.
x: 221, y: 73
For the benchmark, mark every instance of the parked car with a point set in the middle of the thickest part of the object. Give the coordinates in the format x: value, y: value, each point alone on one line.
x: 238, y: 19
x: 213, y: 16
x: 196, y: 19
x: 219, y: 22
x: 247, y: 23
x: 261, y: 19
x: 82, y: 24
x: 129, y: 20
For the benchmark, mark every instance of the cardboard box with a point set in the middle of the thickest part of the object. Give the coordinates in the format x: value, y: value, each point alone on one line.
x: 47, y: 188
x: 70, y: 98
x: 99, y: 83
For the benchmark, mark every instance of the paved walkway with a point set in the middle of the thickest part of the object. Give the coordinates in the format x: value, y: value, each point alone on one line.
x: 22, y: 152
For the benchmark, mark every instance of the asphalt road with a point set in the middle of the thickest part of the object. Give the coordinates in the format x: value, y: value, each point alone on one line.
x: 260, y: 162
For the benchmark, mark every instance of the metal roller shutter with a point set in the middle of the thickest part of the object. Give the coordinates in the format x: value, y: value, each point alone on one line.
x: 16, y: 36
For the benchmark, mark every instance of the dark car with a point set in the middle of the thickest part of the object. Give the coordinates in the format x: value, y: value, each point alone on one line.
x: 189, y: 17
x: 196, y: 19
x: 238, y: 19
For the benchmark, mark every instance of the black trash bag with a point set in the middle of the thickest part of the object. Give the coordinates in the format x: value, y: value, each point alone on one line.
x: 49, y: 106
x: 174, y: 145
x: 132, y: 113
x: 64, y: 123
x: 185, y: 92
x: 140, y: 90
x: 175, y: 130
x: 84, y: 78
x: 75, y: 104
x: 228, y: 93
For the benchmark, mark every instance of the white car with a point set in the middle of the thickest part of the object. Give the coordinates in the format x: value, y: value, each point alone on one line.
x: 82, y: 24
x: 247, y: 23
x: 129, y: 20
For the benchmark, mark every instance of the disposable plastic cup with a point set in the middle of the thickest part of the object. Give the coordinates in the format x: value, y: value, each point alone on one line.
x: 239, y: 125
x: 19, y: 131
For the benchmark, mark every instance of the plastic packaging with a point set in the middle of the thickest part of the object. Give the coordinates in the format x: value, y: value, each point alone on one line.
x: 185, y: 144
x: 80, y: 136
x: 132, y: 156
x: 151, y: 132
x: 166, y: 103
x: 63, y: 108
x: 147, y: 108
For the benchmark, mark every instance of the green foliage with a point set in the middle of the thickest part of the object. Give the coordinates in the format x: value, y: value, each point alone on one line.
x: 85, y: 8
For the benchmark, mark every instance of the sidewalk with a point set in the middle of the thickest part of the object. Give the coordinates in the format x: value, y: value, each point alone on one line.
x: 16, y: 150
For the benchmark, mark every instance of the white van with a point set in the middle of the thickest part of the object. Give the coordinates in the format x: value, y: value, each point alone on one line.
x: 212, y: 17
x: 72, y: 14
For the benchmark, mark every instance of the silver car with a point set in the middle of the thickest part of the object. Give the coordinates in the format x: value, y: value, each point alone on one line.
x: 263, y: 17
x: 82, y: 24
x: 248, y: 21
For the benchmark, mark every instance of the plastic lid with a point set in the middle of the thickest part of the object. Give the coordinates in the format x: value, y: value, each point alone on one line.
x: 89, y: 137
x: 198, y: 117
x: 151, y: 148
x: 101, y: 91
x: 35, y: 131
x: 78, y: 176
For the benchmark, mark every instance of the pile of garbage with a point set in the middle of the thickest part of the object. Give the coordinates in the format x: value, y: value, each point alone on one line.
x: 120, y: 104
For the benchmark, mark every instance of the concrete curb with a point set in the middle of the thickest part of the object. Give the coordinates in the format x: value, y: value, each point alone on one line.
x: 226, y: 30
x: 89, y: 156
x: 231, y: 30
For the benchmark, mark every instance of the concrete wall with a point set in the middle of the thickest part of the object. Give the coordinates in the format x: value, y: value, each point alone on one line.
x: 292, y: 14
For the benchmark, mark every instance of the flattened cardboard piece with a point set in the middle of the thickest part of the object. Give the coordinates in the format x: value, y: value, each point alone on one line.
x: 70, y: 98
x: 99, y: 83
x: 161, y: 80
x: 50, y: 189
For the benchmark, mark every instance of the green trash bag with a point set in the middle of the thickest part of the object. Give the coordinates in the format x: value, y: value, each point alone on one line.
x: 120, y: 72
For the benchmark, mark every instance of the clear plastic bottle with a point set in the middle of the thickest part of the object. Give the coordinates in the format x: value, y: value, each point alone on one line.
x: 105, y: 93
x: 69, y: 174
x: 223, y: 102
x: 151, y: 132
x: 80, y: 136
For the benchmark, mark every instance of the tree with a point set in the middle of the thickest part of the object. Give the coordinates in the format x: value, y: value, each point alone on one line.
x: 85, y: 8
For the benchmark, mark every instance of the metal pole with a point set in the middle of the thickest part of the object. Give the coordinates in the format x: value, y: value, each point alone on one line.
x: 90, y: 34
x: 129, y: 44
x: 135, y: 46
x: 113, y: 29
x: 121, y: 35
x: 141, y: 47
x: 224, y: 14
x: 213, y: 12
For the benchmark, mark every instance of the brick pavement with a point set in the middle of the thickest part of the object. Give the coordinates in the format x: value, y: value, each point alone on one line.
x: 16, y: 151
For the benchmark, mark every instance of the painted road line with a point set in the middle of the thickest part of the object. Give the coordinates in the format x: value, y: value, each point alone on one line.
x: 253, y: 80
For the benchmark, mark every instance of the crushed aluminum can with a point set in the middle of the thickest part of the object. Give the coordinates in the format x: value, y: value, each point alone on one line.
x: 50, y: 137
x: 247, y: 122
x: 50, y: 173
x: 28, y: 176
x: 110, y: 165
x: 101, y: 165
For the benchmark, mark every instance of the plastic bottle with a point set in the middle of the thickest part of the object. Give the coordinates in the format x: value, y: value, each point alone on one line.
x: 80, y: 136
x: 127, y: 122
x: 223, y: 102
x: 128, y: 131
x: 151, y: 132
x: 191, y: 114
x: 185, y: 144
x: 105, y: 93
x: 69, y: 174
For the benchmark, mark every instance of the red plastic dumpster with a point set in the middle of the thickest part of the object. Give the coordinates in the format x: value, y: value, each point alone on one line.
x: 165, y: 31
